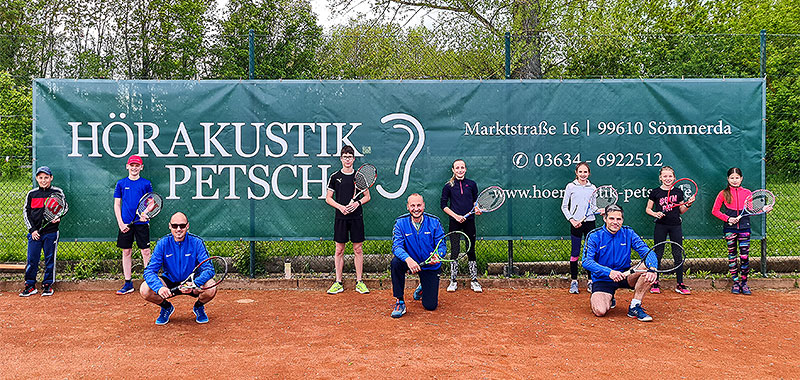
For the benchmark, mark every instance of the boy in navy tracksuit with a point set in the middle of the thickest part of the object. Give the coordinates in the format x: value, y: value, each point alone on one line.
x: 607, y: 253
x: 413, y: 240
x: 40, y: 239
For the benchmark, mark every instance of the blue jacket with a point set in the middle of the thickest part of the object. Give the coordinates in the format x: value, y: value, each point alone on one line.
x: 178, y: 259
x: 407, y: 241
x: 604, y: 252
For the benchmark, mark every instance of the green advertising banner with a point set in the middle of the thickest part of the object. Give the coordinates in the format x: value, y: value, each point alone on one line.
x: 251, y: 159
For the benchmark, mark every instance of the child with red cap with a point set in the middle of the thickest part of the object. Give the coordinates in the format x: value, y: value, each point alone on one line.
x: 131, y: 227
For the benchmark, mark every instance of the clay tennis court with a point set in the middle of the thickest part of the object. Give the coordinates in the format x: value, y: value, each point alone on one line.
x: 502, y: 333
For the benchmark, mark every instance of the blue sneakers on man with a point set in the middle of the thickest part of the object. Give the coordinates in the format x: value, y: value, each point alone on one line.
x: 418, y: 292
x: 164, y: 314
x: 200, y: 314
x: 639, y: 313
x: 399, y: 309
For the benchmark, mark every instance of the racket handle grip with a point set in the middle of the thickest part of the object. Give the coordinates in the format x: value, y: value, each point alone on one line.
x: 175, y: 290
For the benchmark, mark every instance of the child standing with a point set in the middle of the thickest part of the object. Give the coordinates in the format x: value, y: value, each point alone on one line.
x: 574, y: 207
x: 458, y: 197
x: 348, y: 224
x: 40, y: 240
x: 126, y: 199
x: 736, y: 230
x: 661, y: 205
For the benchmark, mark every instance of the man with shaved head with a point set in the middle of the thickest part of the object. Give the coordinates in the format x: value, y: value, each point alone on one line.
x: 177, y: 254
x: 414, y: 238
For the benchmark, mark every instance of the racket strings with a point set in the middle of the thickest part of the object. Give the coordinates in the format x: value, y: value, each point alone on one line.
x: 672, y: 256
x: 365, y: 176
x: 55, y: 207
x: 150, y: 205
x: 457, y: 245
x: 491, y: 199
x: 759, y: 200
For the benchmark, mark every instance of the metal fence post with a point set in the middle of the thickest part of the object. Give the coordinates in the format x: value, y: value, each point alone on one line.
x: 508, y: 62
x: 510, y: 267
x: 763, y: 44
x: 763, y: 41
x: 251, y: 53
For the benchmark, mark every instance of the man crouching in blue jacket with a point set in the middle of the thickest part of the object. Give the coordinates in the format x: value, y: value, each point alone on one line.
x: 607, y: 254
x: 413, y: 240
x: 178, y: 254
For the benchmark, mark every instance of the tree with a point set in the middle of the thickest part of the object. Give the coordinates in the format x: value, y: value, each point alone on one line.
x: 163, y: 39
x: 15, y: 126
x: 286, y: 39
x: 365, y: 50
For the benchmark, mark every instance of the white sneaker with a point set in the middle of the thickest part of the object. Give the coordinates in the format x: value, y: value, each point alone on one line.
x: 573, y: 287
x: 475, y: 286
x: 453, y: 286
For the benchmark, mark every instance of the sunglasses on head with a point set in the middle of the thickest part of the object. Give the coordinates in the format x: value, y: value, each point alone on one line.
x: 177, y: 226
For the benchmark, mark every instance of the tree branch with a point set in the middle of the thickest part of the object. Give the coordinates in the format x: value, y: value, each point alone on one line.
x: 465, y: 9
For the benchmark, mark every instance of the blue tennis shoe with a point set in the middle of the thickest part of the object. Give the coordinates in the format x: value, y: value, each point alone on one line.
x: 200, y: 314
x: 399, y: 309
x: 164, y: 314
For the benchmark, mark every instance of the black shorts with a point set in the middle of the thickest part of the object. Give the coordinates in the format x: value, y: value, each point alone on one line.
x: 583, y: 230
x: 345, y: 230
x: 170, y: 284
x: 140, y: 232
x: 610, y: 286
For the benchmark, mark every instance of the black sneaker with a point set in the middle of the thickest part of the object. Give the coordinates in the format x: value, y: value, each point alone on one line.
x: 47, y: 290
x: 28, y: 291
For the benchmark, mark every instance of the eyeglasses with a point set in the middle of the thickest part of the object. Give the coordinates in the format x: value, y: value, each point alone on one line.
x: 348, y: 157
x: 178, y: 226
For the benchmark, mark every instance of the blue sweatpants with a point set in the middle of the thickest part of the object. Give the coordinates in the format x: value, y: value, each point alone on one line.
x: 428, y: 278
x: 48, y: 244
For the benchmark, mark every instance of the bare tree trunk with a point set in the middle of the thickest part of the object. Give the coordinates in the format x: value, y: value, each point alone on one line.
x: 529, y: 42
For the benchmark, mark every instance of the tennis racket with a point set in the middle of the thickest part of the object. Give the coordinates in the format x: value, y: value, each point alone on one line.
x: 210, y: 272
x: 685, y: 186
x: 665, y: 248
x: 601, y: 198
x: 490, y: 199
x: 758, y: 202
x: 150, y: 204
x: 454, y: 244
x: 365, y: 177
x: 55, y: 206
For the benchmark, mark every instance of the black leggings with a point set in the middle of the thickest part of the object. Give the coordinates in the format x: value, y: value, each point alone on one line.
x: 675, y: 233
x: 468, y: 227
x: 576, y: 235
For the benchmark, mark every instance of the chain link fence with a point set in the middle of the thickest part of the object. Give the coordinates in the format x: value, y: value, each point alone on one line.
x: 424, y: 55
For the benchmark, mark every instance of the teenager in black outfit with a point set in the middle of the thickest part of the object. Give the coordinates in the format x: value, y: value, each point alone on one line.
x: 660, y: 205
x: 458, y: 197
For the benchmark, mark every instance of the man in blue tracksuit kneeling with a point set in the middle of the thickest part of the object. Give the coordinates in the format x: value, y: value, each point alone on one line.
x: 607, y: 254
x: 413, y: 240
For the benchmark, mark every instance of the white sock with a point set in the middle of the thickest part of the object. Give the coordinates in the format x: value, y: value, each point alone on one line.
x: 635, y: 302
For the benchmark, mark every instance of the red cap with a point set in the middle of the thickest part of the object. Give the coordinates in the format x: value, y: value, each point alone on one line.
x: 134, y: 160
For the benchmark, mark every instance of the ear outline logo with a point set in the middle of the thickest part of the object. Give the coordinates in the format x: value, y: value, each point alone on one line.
x: 420, y: 132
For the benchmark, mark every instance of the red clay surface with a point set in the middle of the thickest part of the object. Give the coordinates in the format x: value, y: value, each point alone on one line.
x: 502, y: 333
